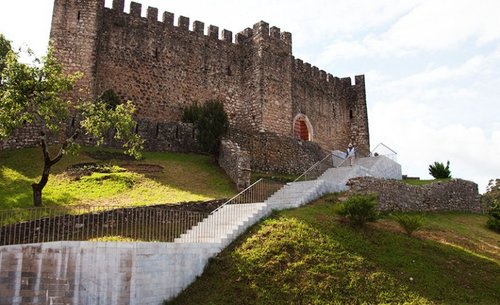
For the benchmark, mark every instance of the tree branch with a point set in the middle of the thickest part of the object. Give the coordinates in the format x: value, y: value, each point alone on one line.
x: 65, y: 145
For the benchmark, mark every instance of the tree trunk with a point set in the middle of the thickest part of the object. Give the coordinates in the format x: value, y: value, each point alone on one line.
x: 47, y: 164
x: 38, y: 187
x: 37, y: 195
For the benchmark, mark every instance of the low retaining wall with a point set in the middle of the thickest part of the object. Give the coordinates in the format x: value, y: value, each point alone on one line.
x: 272, y: 153
x: 107, y: 273
x: 453, y: 195
x: 236, y: 163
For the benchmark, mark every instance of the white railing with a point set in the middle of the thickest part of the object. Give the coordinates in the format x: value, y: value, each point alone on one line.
x: 317, y: 169
x: 383, y: 150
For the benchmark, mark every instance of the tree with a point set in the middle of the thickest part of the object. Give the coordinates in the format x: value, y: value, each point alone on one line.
x: 491, y: 200
x: 211, y: 122
x: 5, y: 48
x: 439, y: 171
x: 33, y: 94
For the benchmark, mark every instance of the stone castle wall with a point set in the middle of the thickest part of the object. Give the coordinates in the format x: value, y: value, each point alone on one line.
x: 453, y: 195
x: 164, y: 66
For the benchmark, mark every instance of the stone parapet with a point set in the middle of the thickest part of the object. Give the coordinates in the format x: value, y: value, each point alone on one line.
x: 452, y: 195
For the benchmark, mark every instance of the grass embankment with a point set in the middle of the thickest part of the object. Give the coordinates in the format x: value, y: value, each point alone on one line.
x: 310, y: 256
x: 157, y: 178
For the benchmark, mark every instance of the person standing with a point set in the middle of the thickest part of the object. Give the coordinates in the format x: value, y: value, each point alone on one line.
x: 351, y: 154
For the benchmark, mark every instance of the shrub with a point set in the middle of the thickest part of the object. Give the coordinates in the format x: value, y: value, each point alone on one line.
x: 211, y: 122
x: 491, y: 202
x: 191, y: 114
x: 493, y: 221
x: 360, y: 209
x: 110, y: 98
x: 409, y: 223
x: 439, y: 171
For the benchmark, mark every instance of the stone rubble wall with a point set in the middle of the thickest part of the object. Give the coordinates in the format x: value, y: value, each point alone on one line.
x: 271, y: 153
x: 452, y: 195
x: 236, y: 163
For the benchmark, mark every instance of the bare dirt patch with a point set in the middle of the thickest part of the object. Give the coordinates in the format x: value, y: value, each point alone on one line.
x: 143, y: 168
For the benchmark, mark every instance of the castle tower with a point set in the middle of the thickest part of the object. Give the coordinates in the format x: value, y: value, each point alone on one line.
x: 359, y: 116
x: 74, y: 38
x: 273, y: 77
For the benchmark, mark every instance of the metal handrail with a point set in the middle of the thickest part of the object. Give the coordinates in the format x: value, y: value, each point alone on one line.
x: 160, y: 223
x: 315, y: 165
x: 237, y: 195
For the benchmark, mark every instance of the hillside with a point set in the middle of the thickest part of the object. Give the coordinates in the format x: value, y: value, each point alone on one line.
x: 107, y: 177
x: 309, y: 256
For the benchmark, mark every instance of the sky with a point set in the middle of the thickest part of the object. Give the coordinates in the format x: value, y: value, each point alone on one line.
x: 432, y: 68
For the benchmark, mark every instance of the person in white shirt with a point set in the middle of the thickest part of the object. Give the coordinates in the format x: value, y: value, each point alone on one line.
x: 351, y: 154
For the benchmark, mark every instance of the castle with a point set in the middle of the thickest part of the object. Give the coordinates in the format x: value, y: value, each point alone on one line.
x: 281, y: 109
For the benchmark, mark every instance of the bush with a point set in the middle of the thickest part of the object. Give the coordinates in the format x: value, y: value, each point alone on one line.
x: 493, y: 221
x: 491, y: 202
x: 439, y: 171
x: 191, y: 114
x: 360, y: 209
x: 211, y: 122
x: 110, y: 98
x: 409, y: 223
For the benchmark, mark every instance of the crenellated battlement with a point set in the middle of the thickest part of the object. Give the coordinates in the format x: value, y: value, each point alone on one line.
x: 260, y: 30
x: 311, y: 73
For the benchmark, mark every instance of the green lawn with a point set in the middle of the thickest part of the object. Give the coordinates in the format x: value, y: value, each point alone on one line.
x: 423, y: 182
x: 310, y: 256
x: 157, y: 178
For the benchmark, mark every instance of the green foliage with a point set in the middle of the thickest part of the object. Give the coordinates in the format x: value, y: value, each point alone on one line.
x: 34, y: 94
x: 211, y: 122
x: 5, y: 48
x: 494, y: 218
x: 439, y: 171
x: 409, y: 223
x: 492, y: 195
x: 491, y: 201
x: 192, y: 113
x: 109, y: 98
x: 360, y: 209
x: 99, y: 118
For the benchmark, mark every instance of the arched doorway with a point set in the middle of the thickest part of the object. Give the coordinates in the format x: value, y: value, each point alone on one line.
x: 302, y: 128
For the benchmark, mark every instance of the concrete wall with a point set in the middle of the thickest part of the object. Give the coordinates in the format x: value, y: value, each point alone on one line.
x: 91, y: 273
x: 453, y: 195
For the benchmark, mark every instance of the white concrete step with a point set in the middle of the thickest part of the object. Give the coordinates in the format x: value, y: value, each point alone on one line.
x: 224, y: 223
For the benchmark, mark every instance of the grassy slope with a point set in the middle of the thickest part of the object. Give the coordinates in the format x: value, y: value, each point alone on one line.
x: 184, y: 177
x: 308, y: 256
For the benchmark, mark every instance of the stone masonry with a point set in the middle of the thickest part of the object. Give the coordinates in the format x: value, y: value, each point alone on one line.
x: 165, y: 66
x: 235, y: 162
x: 453, y: 195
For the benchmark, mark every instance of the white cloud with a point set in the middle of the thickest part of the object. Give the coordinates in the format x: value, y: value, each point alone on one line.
x: 429, y: 26
x: 402, y: 126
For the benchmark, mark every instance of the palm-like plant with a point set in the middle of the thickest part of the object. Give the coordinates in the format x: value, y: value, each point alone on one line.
x: 439, y: 171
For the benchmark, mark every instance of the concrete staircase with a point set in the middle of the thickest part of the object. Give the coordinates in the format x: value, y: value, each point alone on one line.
x: 223, y: 226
